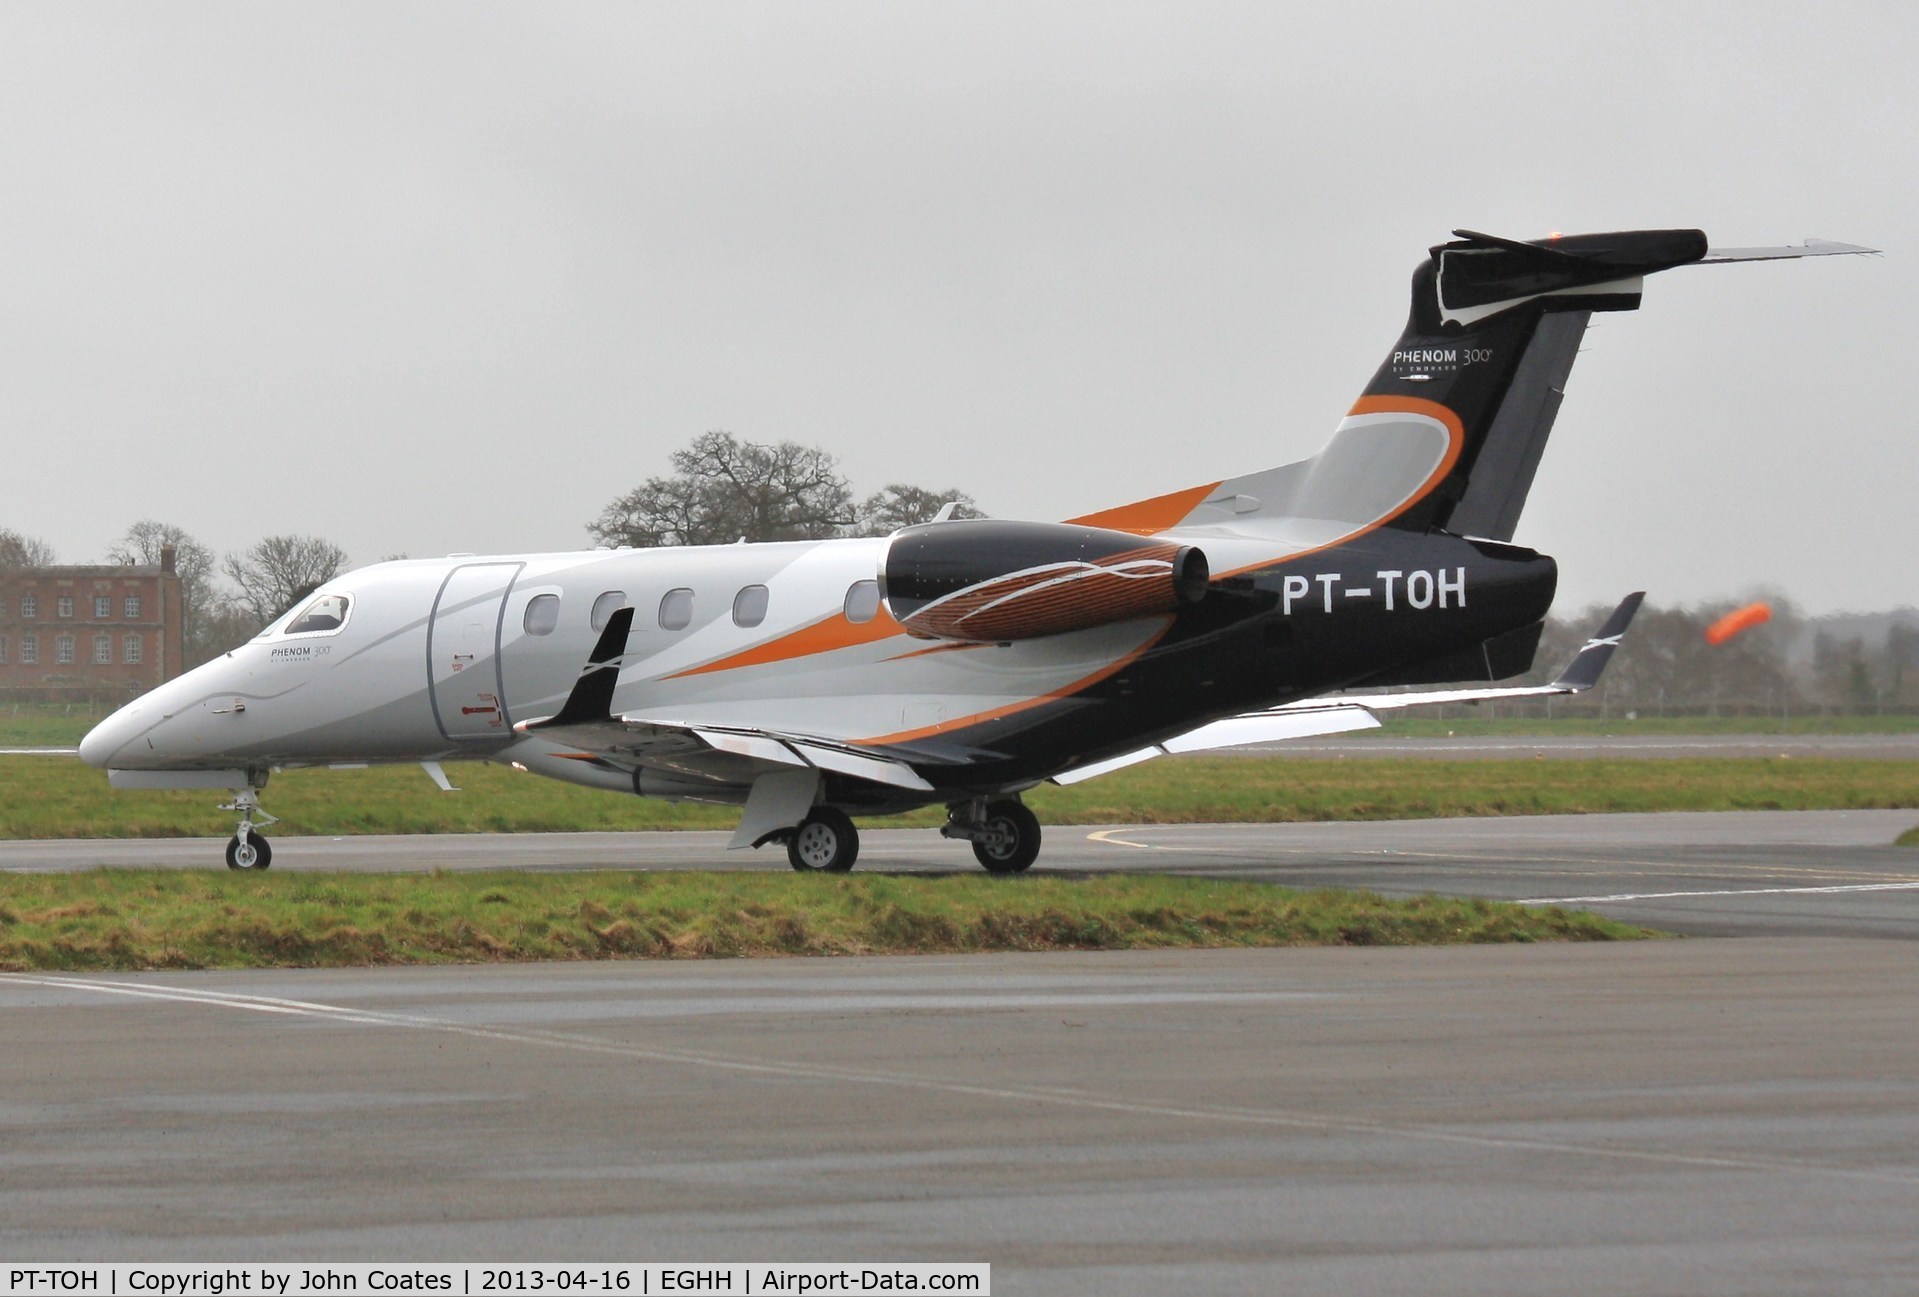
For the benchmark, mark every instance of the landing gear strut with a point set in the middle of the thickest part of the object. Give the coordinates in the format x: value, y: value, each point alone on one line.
x: 1005, y: 835
x: 825, y: 841
x: 247, y: 849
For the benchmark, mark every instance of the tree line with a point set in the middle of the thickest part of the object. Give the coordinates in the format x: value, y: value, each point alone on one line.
x: 724, y: 489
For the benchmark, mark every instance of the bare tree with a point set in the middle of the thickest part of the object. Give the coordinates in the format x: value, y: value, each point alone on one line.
x: 724, y: 489
x: 278, y: 572
x: 899, y: 505
x: 17, y: 550
x: 193, y: 563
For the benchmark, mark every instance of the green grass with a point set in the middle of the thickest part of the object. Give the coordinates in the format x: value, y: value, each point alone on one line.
x: 47, y: 725
x: 57, y: 797
x: 132, y: 919
x: 1910, y: 838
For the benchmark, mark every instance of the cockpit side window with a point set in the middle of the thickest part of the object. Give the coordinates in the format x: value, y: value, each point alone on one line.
x: 323, y: 616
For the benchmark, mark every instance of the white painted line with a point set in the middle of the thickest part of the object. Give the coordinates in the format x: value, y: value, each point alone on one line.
x: 1742, y: 891
x: 1069, y: 1097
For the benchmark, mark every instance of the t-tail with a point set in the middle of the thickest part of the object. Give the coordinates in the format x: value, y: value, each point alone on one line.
x: 1494, y: 329
x: 1449, y: 432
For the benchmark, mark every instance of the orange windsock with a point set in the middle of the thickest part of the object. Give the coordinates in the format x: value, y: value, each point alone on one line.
x: 1739, y: 619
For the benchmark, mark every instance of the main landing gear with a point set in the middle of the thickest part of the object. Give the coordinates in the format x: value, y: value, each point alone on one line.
x: 247, y: 849
x: 825, y: 841
x: 1005, y: 835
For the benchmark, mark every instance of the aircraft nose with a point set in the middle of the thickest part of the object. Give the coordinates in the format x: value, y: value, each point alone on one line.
x: 106, y: 744
x: 105, y: 739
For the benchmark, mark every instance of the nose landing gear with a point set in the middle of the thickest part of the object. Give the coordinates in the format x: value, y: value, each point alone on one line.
x: 247, y: 849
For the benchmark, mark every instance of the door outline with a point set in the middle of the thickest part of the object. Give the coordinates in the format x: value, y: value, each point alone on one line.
x: 486, y: 692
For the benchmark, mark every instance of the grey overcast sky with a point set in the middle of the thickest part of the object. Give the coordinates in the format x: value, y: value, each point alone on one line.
x: 437, y: 277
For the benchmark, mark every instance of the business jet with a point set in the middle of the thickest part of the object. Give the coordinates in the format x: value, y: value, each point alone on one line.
x: 964, y: 662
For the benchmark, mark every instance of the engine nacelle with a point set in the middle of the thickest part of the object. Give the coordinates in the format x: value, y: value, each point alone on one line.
x: 985, y: 581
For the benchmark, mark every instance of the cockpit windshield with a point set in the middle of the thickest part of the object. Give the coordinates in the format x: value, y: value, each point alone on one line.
x: 327, y: 613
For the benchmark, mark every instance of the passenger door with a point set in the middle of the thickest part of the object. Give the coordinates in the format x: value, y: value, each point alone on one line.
x: 463, y: 651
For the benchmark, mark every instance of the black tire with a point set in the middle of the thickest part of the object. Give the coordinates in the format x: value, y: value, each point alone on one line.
x: 1015, y: 842
x: 256, y: 853
x: 825, y: 842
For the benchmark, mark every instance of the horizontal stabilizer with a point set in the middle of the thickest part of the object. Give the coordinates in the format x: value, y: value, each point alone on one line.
x: 1810, y: 248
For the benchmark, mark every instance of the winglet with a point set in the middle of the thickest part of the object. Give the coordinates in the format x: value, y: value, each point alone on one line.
x: 1582, y: 673
x: 592, y: 696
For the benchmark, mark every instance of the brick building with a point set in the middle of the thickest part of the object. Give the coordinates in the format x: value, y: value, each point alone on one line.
x: 105, y: 632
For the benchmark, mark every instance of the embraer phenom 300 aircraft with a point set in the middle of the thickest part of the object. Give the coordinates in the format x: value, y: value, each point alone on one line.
x: 964, y: 662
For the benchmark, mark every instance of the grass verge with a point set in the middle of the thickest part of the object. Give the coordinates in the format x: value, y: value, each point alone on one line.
x: 136, y: 919
x: 57, y: 797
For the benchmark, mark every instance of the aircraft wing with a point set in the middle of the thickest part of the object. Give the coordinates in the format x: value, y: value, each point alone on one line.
x: 1345, y: 712
x: 585, y: 721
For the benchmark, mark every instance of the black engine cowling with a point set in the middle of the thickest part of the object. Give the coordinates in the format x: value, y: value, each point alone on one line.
x: 988, y: 581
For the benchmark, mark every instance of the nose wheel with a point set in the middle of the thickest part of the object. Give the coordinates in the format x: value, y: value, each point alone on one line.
x: 247, y: 849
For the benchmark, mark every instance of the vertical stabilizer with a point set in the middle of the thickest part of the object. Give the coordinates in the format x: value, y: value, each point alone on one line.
x: 1494, y: 329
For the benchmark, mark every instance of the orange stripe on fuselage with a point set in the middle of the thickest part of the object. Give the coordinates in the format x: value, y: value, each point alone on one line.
x: 835, y: 632
x: 1148, y: 516
x: 1010, y: 709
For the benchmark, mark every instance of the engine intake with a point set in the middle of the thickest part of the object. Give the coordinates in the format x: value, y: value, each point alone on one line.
x: 985, y: 581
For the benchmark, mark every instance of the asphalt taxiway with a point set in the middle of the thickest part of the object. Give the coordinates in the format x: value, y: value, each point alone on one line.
x: 1700, y: 1116
x: 1704, y: 1117
x: 1800, y: 873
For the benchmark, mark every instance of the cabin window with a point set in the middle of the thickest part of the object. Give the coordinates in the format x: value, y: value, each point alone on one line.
x: 863, y: 601
x: 323, y: 616
x: 605, y: 606
x: 542, y: 614
x: 749, y: 606
x: 676, y: 609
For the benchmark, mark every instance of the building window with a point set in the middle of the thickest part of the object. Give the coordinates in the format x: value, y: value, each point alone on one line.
x: 29, y: 608
x: 102, y: 607
x: 3, y: 609
x: 66, y: 605
x: 5, y: 656
x: 131, y: 608
x: 63, y: 650
x: 29, y: 650
x: 103, y: 650
x: 749, y: 606
x: 676, y: 610
x: 130, y: 650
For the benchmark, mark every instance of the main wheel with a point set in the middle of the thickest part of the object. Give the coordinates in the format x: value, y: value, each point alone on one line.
x: 1013, y: 838
x: 825, y: 840
x: 254, y: 853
